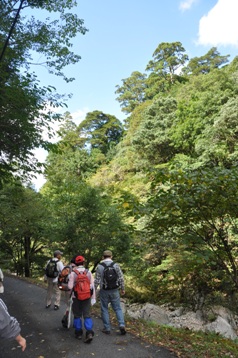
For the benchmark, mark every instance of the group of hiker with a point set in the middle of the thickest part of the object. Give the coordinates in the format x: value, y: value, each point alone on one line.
x: 80, y: 288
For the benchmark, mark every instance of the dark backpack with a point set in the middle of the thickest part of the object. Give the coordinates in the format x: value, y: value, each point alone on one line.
x: 51, y: 269
x: 110, y: 276
x: 63, y: 278
x: 82, y: 285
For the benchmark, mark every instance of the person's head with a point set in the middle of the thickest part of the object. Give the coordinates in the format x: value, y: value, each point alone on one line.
x: 58, y: 254
x: 72, y: 261
x: 107, y: 254
x: 79, y: 260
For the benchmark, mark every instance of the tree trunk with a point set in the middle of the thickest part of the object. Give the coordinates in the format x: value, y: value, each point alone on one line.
x: 27, y: 243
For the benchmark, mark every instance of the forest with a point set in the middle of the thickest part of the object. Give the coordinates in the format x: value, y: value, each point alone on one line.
x: 159, y: 189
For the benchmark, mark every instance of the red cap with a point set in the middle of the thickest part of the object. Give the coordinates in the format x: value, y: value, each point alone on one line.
x: 79, y: 260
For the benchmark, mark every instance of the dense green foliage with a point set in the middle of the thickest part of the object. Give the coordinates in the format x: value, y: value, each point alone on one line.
x: 27, y: 109
x: 161, y: 192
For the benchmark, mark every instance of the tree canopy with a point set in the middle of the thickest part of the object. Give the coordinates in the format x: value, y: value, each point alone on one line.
x: 27, y: 109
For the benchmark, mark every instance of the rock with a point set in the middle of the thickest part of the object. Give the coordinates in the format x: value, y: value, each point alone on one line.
x: 221, y: 326
x: 134, y: 311
x: 224, y: 313
x: 224, y: 322
x: 154, y: 313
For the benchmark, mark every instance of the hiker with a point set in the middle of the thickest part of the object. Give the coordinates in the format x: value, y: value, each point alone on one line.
x: 1, y: 282
x: 66, y: 319
x: 110, y: 279
x: 52, y: 269
x: 82, y: 282
x: 9, y: 326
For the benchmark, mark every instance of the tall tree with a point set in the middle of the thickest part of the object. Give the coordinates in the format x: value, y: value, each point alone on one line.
x: 24, y: 225
x: 167, y: 59
x: 86, y: 219
x: 152, y: 139
x: 26, y: 109
x: 132, y: 91
x: 100, y: 131
x: 204, y: 64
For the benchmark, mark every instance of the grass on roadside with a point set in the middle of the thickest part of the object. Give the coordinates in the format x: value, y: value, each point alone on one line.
x: 184, y: 342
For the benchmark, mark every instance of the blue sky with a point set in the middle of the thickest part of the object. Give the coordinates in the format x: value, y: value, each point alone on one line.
x: 122, y: 37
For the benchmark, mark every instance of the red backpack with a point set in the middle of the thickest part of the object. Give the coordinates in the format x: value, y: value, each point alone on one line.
x: 82, y: 285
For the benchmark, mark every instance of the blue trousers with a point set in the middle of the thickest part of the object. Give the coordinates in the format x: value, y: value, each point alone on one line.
x: 113, y: 297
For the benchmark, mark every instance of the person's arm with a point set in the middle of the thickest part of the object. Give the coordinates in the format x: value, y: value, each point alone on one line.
x: 121, y: 279
x: 71, y: 280
x: 97, y: 279
x: 9, y: 326
x: 92, y: 287
x: 21, y: 341
x: 60, y: 266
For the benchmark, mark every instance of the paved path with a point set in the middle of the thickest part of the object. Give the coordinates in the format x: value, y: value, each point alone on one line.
x: 46, y: 338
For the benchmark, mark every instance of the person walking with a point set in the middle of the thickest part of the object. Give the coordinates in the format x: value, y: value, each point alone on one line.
x: 110, y: 279
x: 52, y: 270
x: 9, y: 327
x: 66, y: 319
x: 81, y: 281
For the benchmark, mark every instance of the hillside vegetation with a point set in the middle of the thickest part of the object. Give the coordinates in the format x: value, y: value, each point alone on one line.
x: 159, y: 190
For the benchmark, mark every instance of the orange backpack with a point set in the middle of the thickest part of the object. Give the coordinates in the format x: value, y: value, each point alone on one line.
x: 82, y: 285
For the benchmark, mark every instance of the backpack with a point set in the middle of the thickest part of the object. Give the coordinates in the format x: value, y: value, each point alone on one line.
x: 63, y: 278
x: 51, y: 269
x: 82, y: 285
x: 110, y: 276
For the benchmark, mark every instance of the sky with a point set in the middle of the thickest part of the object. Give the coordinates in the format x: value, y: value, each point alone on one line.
x: 122, y: 36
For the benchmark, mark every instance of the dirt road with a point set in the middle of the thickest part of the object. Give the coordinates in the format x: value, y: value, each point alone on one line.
x: 46, y: 338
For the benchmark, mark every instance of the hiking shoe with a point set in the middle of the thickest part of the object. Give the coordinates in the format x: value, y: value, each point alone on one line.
x: 79, y: 334
x: 47, y: 306
x: 64, y: 321
x: 56, y: 307
x: 89, y: 338
x: 123, y: 331
x: 105, y: 331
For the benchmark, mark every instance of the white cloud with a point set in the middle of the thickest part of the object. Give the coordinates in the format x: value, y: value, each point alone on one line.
x: 79, y: 115
x: 220, y: 25
x: 186, y: 5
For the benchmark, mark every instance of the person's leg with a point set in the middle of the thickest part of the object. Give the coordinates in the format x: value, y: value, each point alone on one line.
x: 104, y: 310
x: 77, y: 318
x: 66, y: 296
x: 49, y: 292
x: 88, y: 322
x: 57, y: 293
x: 116, y: 305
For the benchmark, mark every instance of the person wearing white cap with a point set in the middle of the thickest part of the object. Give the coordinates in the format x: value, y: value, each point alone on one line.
x: 53, y: 268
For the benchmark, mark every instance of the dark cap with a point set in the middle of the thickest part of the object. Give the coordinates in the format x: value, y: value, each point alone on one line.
x: 79, y: 260
x: 58, y: 252
x: 107, y: 253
